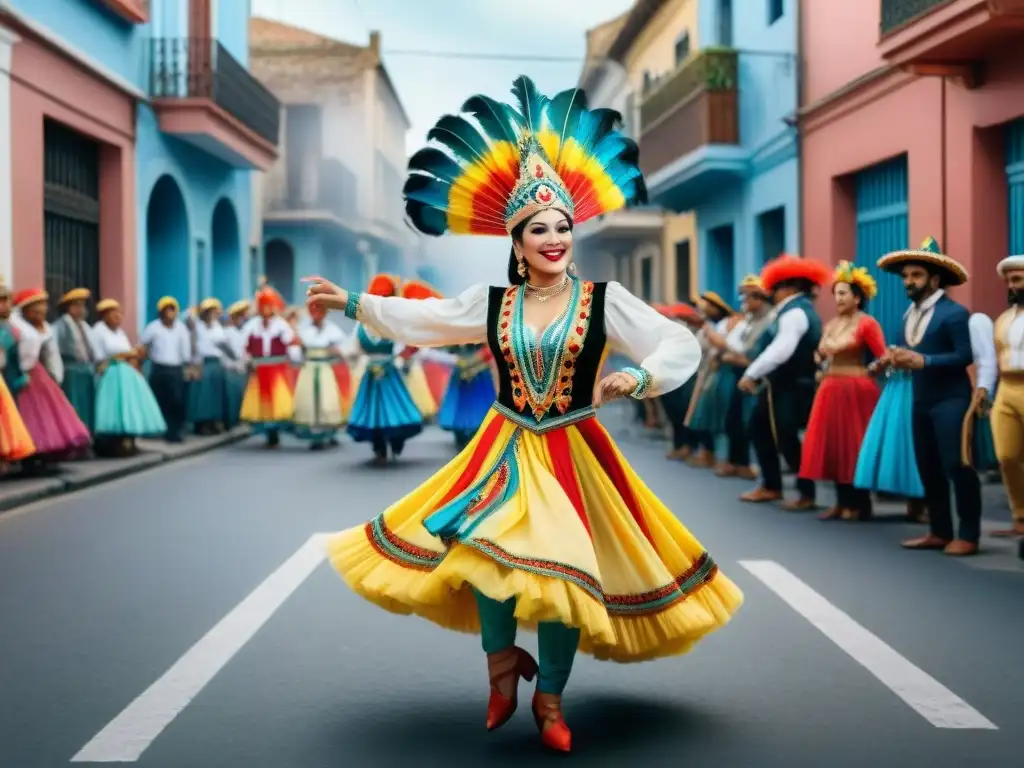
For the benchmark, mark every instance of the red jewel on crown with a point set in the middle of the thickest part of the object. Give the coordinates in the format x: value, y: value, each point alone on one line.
x: 545, y: 195
x: 538, y: 171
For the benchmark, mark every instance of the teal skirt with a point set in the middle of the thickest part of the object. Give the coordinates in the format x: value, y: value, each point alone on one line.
x: 383, y: 407
x: 79, y: 386
x: 234, y: 390
x: 709, y: 415
x: 125, y: 405
x: 207, y: 397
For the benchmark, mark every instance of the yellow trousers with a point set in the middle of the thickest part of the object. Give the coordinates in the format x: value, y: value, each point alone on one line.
x: 1008, y: 435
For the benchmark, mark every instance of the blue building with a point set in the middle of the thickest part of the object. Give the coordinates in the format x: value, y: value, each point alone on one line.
x: 718, y: 137
x: 138, y: 126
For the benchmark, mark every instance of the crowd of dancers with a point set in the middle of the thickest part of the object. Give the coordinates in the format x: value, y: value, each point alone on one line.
x: 776, y: 380
x: 71, y: 389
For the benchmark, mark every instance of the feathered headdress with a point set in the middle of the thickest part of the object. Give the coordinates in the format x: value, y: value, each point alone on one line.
x: 512, y: 163
x: 383, y: 285
x: 787, y: 267
x: 418, y: 289
x: 847, y: 273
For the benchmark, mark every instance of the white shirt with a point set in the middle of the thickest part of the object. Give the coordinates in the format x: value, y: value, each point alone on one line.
x: 791, y: 328
x: 277, y: 328
x: 983, y: 346
x: 916, y: 320
x: 210, y: 341
x: 324, y: 337
x: 38, y: 345
x: 107, y: 342
x: 735, y: 342
x: 167, y: 346
x: 669, y: 352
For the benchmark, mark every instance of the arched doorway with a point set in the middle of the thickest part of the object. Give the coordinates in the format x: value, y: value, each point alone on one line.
x: 279, y: 263
x: 226, y: 250
x: 167, y: 245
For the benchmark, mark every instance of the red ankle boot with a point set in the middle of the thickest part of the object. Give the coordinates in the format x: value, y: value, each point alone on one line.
x: 547, y: 712
x: 501, y: 667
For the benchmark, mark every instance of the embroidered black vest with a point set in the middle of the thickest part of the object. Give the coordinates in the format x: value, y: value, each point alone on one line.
x: 568, y: 369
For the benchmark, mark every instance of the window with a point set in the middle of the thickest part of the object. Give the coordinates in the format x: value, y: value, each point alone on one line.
x: 725, y: 23
x: 683, y: 287
x: 647, y: 278
x: 682, y: 48
x: 771, y: 229
x: 622, y: 268
x: 775, y: 11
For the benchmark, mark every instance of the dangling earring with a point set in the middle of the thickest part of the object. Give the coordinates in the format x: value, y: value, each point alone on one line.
x: 572, y: 267
x: 521, y: 269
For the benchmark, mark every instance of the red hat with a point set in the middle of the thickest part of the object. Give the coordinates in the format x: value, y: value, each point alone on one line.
x: 268, y: 297
x: 384, y: 285
x: 788, y: 267
x: 28, y: 296
x: 417, y: 289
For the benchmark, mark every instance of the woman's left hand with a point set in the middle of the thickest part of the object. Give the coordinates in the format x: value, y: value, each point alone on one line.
x: 325, y: 294
x: 614, y: 386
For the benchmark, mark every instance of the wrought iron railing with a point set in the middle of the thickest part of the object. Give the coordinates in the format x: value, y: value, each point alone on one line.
x: 896, y: 13
x: 711, y: 70
x: 202, y: 68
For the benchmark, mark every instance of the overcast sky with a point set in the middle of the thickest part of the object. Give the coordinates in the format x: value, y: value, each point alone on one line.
x: 432, y: 86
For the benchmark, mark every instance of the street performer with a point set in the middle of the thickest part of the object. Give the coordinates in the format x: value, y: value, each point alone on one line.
x: 783, y: 376
x: 938, y: 353
x: 540, y: 522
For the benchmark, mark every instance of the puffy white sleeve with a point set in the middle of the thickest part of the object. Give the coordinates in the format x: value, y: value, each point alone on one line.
x: 428, y: 322
x: 667, y: 351
x: 49, y: 356
x: 983, y: 345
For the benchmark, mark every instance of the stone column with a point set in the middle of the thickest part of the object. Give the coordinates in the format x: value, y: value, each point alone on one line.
x: 7, y: 41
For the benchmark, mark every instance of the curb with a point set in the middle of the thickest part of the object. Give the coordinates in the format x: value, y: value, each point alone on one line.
x: 43, y: 488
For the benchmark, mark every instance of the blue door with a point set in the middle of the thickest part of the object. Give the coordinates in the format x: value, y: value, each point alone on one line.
x: 1015, y: 182
x: 881, y: 228
x: 721, y: 257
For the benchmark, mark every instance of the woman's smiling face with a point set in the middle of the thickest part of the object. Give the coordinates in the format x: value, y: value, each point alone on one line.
x: 546, y: 245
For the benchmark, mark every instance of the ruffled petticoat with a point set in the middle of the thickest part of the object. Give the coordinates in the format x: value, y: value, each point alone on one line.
x: 558, y: 521
x: 268, y: 402
x: 383, y: 406
x: 125, y: 404
x: 49, y: 417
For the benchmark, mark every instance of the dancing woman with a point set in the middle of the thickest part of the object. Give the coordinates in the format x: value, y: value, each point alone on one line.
x: 540, y: 523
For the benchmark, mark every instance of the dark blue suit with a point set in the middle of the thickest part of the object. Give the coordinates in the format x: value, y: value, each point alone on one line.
x: 942, y: 396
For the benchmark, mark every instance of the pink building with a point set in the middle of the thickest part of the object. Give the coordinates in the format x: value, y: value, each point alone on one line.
x: 911, y: 126
x: 56, y: 100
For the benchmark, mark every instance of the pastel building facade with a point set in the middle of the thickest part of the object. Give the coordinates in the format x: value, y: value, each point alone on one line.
x: 130, y: 134
x: 650, y: 250
x: 718, y: 137
x: 916, y: 130
x: 333, y: 202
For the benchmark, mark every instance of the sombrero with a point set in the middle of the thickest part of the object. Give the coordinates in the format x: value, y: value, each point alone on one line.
x: 928, y: 253
x: 713, y: 298
x: 1010, y: 264
x: 752, y: 283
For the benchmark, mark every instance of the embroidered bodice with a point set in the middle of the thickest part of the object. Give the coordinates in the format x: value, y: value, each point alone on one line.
x: 545, y: 377
x: 852, y: 340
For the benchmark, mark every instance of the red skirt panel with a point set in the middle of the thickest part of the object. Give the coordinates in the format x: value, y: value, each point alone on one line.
x: 840, y: 415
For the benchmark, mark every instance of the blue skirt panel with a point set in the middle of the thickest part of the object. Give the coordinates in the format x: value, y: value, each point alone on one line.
x: 207, y: 397
x: 125, y: 405
x: 467, y: 402
x: 887, y: 461
x: 383, y: 407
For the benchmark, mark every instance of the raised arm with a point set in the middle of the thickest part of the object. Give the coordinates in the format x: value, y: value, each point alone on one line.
x: 667, y: 352
x: 418, y: 322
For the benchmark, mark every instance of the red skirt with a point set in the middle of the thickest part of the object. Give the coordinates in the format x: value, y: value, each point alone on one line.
x: 840, y: 415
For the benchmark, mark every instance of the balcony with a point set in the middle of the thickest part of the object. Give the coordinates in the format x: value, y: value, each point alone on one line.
x: 312, y: 191
x: 689, y: 129
x: 919, y: 33
x: 623, y: 227
x: 204, y: 96
x: 134, y: 11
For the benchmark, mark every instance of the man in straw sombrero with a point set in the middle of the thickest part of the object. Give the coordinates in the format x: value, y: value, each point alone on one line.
x: 1008, y: 410
x: 938, y: 353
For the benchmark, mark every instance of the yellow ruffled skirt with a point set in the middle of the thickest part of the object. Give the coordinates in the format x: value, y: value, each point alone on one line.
x: 15, y: 441
x: 419, y: 389
x: 560, y: 522
x: 268, y: 400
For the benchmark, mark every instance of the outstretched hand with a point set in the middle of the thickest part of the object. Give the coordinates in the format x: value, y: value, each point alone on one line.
x: 614, y: 386
x: 324, y: 294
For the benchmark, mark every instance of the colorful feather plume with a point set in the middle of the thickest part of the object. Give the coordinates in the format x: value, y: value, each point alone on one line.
x: 788, y: 267
x: 497, y: 164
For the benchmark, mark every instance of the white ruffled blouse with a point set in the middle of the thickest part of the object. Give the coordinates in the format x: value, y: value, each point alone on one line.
x: 669, y: 352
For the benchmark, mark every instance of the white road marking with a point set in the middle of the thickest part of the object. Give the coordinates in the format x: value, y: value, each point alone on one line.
x: 930, y: 698
x: 129, y: 734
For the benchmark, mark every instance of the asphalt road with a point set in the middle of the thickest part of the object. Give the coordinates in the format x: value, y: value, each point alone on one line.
x: 848, y: 652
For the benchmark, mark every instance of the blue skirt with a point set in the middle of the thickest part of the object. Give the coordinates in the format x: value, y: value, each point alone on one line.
x: 467, y: 402
x: 234, y: 390
x: 80, y: 387
x: 207, y: 397
x: 383, y: 407
x: 887, y: 461
x: 709, y: 415
x: 125, y: 405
